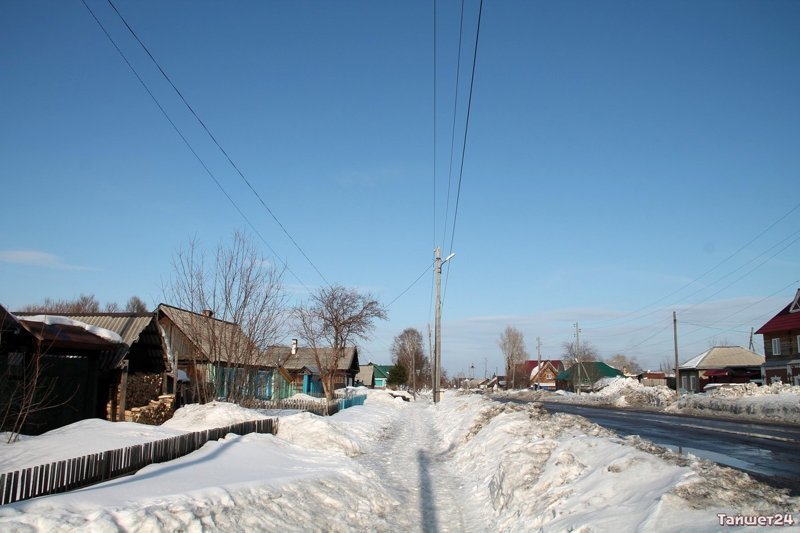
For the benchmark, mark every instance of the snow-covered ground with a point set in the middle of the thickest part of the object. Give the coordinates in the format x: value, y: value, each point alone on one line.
x: 777, y: 403
x: 466, y: 464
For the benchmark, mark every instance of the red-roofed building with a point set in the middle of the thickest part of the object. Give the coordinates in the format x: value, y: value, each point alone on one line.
x: 544, y: 376
x: 782, y: 345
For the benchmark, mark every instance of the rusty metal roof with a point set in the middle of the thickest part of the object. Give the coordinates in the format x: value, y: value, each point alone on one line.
x: 129, y: 326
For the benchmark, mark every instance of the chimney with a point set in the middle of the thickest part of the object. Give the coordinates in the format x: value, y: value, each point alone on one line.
x: 294, y: 346
x: 208, y: 312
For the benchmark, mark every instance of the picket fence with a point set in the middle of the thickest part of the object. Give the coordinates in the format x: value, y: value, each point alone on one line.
x: 319, y: 407
x: 70, y: 474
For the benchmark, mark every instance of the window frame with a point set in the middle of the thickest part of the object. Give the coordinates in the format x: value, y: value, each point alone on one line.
x: 776, y: 343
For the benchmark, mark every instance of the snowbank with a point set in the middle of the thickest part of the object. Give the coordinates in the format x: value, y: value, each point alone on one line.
x: 563, y: 473
x: 513, y: 466
x: 778, y: 402
x: 76, y: 440
x: 197, y: 417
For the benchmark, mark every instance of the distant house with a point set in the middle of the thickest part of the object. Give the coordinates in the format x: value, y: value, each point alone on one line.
x: 381, y: 376
x: 650, y: 378
x: 782, y: 345
x: 720, y: 364
x: 373, y: 376
x: 298, y: 365
x: 544, y: 376
x: 61, y: 362
x: 584, y: 376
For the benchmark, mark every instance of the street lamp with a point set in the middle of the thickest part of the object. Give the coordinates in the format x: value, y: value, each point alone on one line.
x: 437, y: 365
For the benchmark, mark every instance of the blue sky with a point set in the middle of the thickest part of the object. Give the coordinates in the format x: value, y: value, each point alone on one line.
x: 617, y: 151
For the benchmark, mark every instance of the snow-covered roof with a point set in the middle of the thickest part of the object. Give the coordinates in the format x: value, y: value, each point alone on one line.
x: 54, y: 320
x: 723, y: 357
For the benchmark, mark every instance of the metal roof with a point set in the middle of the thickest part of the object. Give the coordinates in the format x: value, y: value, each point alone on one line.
x: 218, y: 340
x: 787, y: 319
x: 129, y: 326
x: 723, y: 357
x: 282, y: 356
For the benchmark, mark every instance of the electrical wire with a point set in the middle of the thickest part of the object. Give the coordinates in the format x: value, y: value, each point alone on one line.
x: 188, y: 144
x: 701, y: 276
x: 412, y: 284
x: 464, y: 143
x: 453, y: 130
x: 216, y: 142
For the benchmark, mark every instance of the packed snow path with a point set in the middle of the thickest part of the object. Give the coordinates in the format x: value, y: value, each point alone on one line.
x: 410, y: 462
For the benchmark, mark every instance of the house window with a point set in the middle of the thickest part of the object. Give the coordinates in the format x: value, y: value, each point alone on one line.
x: 693, y: 383
x: 776, y: 346
x: 798, y: 344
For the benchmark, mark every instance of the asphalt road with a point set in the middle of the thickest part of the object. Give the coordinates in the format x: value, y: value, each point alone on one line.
x: 768, y: 452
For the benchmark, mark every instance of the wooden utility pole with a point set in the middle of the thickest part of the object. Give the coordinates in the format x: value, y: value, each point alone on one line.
x: 437, y: 367
x: 577, y: 354
x: 539, y: 366
x: 675, y: 336
x: 752, y: 347
x: 437, y: 327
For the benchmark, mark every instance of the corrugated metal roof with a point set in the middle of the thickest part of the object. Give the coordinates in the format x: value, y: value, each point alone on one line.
x: 218, y: 340
x: 787, y: 319
x: 129, y: 326
x: 305, y: 357
x: 723, y: 357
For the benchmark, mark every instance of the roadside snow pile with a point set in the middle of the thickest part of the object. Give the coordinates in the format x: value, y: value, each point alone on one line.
x: 563, y: 473
x: 197, y: 417
x: 71, y: 441
x: 778, y: 402
x: 628, y: 392
x: 348, y: 433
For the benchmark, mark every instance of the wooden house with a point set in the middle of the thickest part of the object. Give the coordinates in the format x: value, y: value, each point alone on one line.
x: 219, y: 360
x: 544, y: 376
x: 300, y: 369
x: 54, y: 369
x: 373, y: 376
x: 720, y: 364
x: 142, y: 376
x: 782, y: 345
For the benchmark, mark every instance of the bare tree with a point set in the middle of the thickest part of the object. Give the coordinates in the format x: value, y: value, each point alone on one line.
x: 239, y: 287
x: 512, y: 344
x: 333, y: 317
x: 84, y: 304
x: 407, y: 350
x: 136, y: 305
x: 570, y: 356
x: 625, y: 364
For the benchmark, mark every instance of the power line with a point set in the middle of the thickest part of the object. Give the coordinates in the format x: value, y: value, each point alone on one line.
x: 434, y: 125
x: 453, y: 131
x: 214, y: 139
x: 466, y: 125
x: 412, y: 284
x: 464, y: 143
x: 704, y: 274
x: 188, y: 144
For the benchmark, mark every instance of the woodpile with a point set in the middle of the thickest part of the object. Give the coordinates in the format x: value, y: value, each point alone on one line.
x: 155, y: 413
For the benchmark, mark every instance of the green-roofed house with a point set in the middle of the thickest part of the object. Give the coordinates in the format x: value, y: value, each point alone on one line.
x: 373, y: 376
x: 585, y: 375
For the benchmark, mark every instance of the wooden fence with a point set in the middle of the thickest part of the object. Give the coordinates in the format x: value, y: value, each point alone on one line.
x: 319, y: 407
x: 70, y: 474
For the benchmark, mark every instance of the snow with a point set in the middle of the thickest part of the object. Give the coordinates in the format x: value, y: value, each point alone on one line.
x: 196, y: 417
x: 50, y: 320
x: 777, y: 403
x: 464, y: 464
